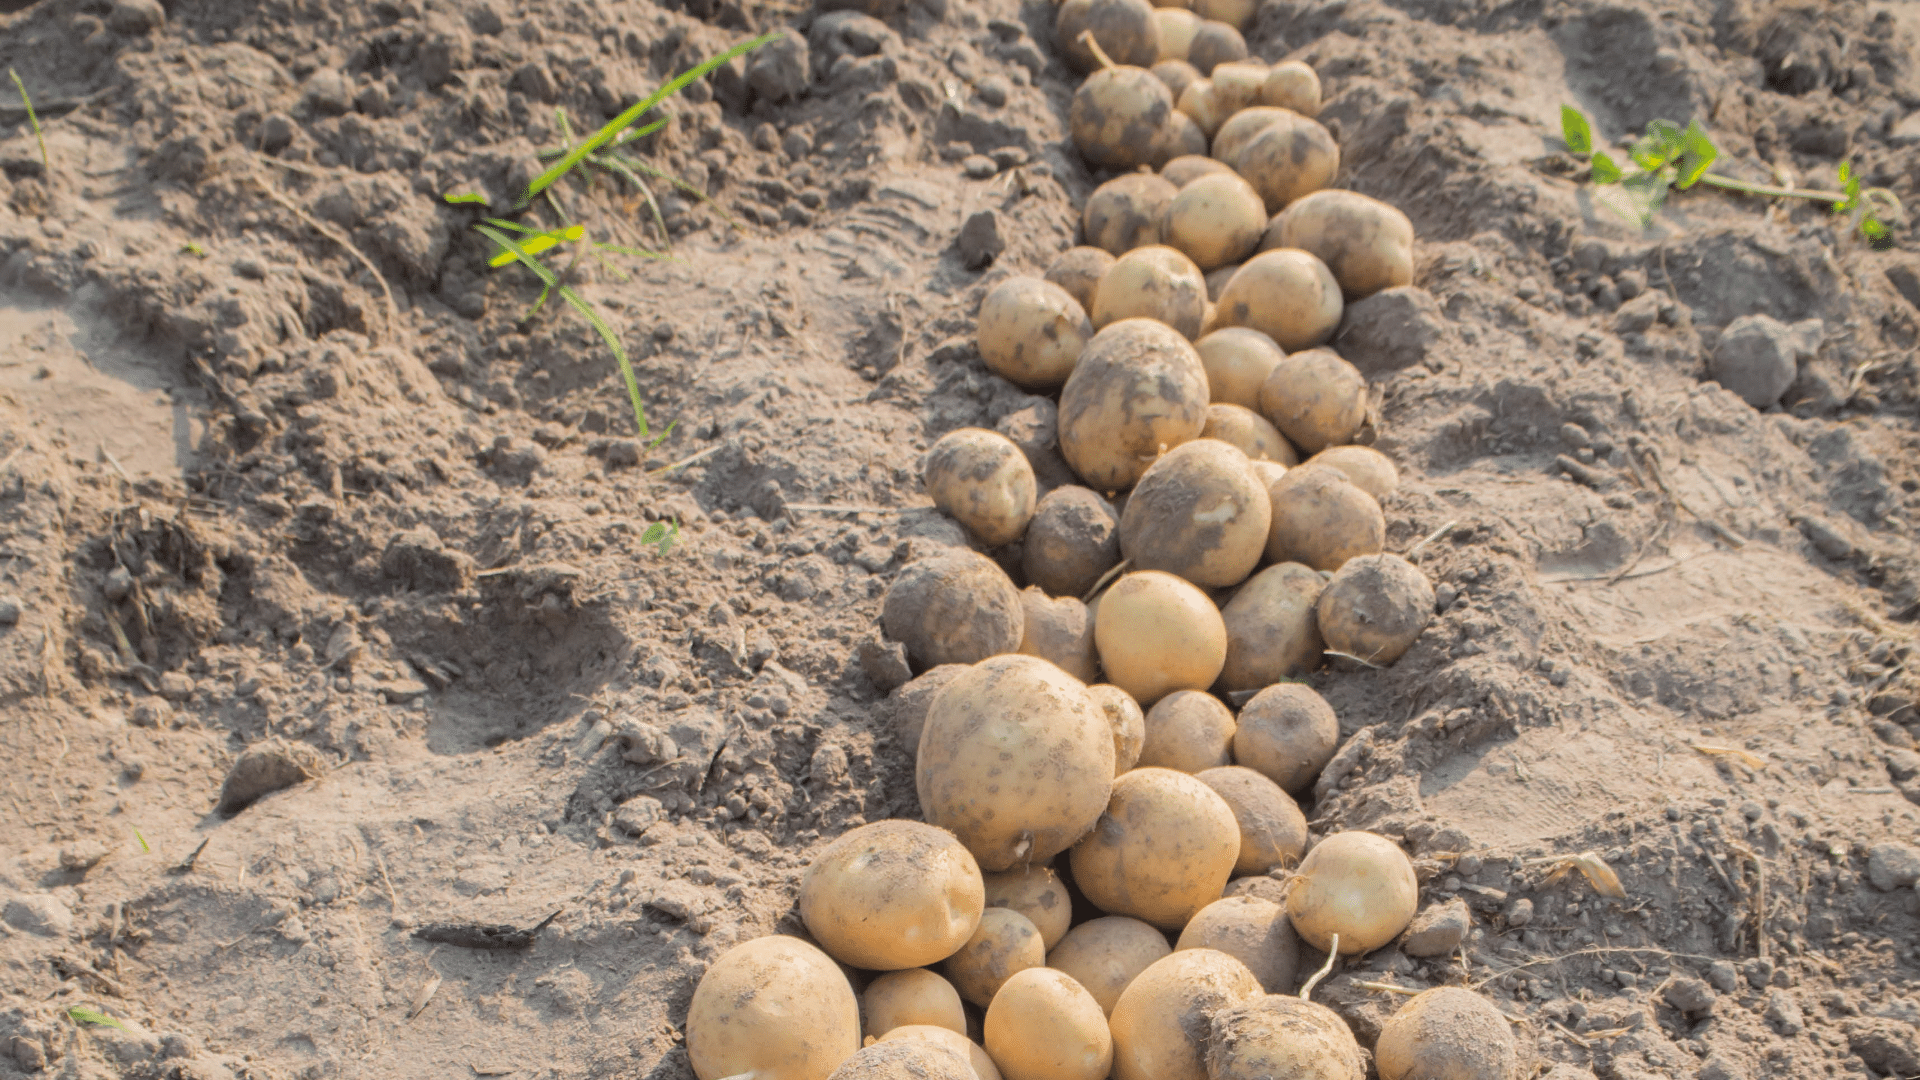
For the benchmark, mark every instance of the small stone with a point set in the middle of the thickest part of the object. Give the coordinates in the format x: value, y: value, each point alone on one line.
x: 980, y: 241
x: 1893, y: 866
x: 1631, y: 282
x: 1520, y: 913
x: 175, y: 686
x: 766, y: 138
x: 644, y: 744
x: 1885, y: 1046
x: 885, y: 664
x: 82, y: 857
x: 40, y: 914
x: 637, y: 815
x: 135, y: 17
x: 1826, y: 538
x: 978, y: 167
x: 402, y: 691
x: 1438, y: 930
x: 1393, y: 329
x: 1575, y: 436
x: 1691, y: 996
x: 1755, y: 358
x: 30, y: 1053
x: 1718, y: 1066
x: 993, y: 90
x: 1724, y: 976
x: 1752, y: 811
x: 419, y: 561
x: 1784, y: 1013
x: 796, y: 145
x: 328, y: 92
x: 151, y: 714
x: 265, y: 768
x: 778, y: 70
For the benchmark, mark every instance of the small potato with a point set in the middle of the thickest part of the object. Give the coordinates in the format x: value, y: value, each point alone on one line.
x: 912, y: 998
x: 1238, y: 361
x: 1375, y: 607
x: 956, y: 1041
x: 1059, y: 631
x: 1129, y: 724
x: 1073, y: 539
x: 773, y: 1008
x: 957, y: 607
x: 1259, y: 885
x: 905, y: 1059
x: 1355, y: 884
x: 1217, y: 279
x: 1078, y: 270
x: 1273, y: 831
x: 1160, y: 1025
x: 1287, y: 734
x: 1235, y: 13
x: 1279, y: 1035
x: 1005, y: 942
x: 1188, y: 731
x: 1447, y: 1033
x: 1370, y: 470
x: 1177, y: 27
x: 1037, y: 893
x: 1155, y: 282
x: 1215, y: 43
x: 1105, y: 954
x: 1322, y: 520
x: 1031, y: 331
x: 1249, y: 432
x: 907, y: 706
x: 1127, y: 212
x: 1177, y: 74
x: 1198, y: 512
x: 1292, y: 85
x: 1182, y: 171
x: 1215, y: 220
x: 982, y: 480
x: 1251, y: 930
x: 1180, y: 138
x: 1117, y: 115
x: 1202, y: 101
x: 1316, y: 399
x: 1271, y: 629
x: 1044, y: 1026
x: 1288, y: 295
x: 1289, y: 158
x: 1157, y: 633
x: 892, y: 894
x: 1366, y: 243
x: 1163, y: 850
x: 1138, y: 389
x: 1234, y: 135
x: 1125, y: 29
x: 1238, y: 83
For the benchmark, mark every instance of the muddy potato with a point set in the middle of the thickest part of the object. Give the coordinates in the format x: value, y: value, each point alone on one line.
x: 1188, y: 731
x: 1289, y: 158
x: 1287, y: 733
x: 1154, y: 282
x: 1447, y: 1033
x: 1235, y: 13
x: 908, y: 704
x: 1157, y: 633
x: 1059, y: 631
x: 1178, y: 75
x: 1160, y: 1022
x: 1073, y: 539
x: 1117, y: 115
x: 1078, y: 270
x: 1234, y: 135
x: 1125, y: 29
x: 1180, y: 138
x: 1198, y: 512
x: 1248, y: 432
x: 1253, y: 931
x: 1272, y: 632
x: 1138, y: 389
x: 1184, y: 170
x: 774, y: 1008
x: 1016, y: 760
x: 1215, y: 43
x: 1129, y: 724
x: 983, y: 481
x: 912, y: 998
x: 1106, y: 954
x: 956, y: 607
x: 1288, y: 295
x: 1200, y: 100
x: 1237, y: 361
x: 1005, y: 942
x: 1366, y: 243
x: 956, y: 1041
x: 1163, y: 850
x: 1279, y: 1035
x: 1316, y: 399
x: 1292, y: 85
x: 1273, y: 831
x: 1375, y: 607
x: 1177, y: 26
x: 1037, y: 893
x: 905, y: 1059
x: 1358, y: 885
x: 891, y: 895
x: 1217, y: 279
x: 1238, y: 83
x: 1031, y: 331
x: 1321, y: 519
x: 1270, y: 473
x: 1368, y: 469
x: 1215, y: 220
x: 1042, y: 1025
x: 1127, y: 212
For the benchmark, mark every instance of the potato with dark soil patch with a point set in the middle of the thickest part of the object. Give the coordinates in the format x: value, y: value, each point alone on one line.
x: 1273, y: 831
x: 1250, y: 929
x: 957, y: 607
x: 983, y: 480
x: 1074, y: 538
x: 1272, y: 631
x: 1006, y: 942
x: 1182, y: 171
x: 1321, y: 519
x: 1287, y: 734
x: 1156, y: 282
x: 1160, y: 1029
x: 905, y: 1059
x: 1126, y: 30
x: 1127, y: 212
x: 1366, y: 243
x: 1137, y: 390
x: 1279, y: 1035
x: 1235, y: 13
x: 1178, y: 75
x: 1199, y: 512
x: 1079, y: 270
x: 1292, y: 85
x: 1375, y: 608
x: 1036, y: 892
x: 1288, y: 295
x: 1059, y: 631
x: 1188, y: 731
x: 1287, y: 159
x: 1248, y: 432
x: 1213, y: 44
x: 1240, y: 129
x: 1129, y: 724
x: 1031, y: 332
x: 1447, y: 1032
x: 1316, y: 399
x: 1117, y: 116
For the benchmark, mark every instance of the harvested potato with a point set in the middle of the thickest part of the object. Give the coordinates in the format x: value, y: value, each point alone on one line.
x: 1016, y: 760
x: 1358, y: 885
x: 905, y: 1059
x: 1138, y: 389
x: 1163, y: 850
x: 1160, y: 1022
x: 1234, y: 135
x: 957, y: 607
x: 1238, y: 361
x: 1215, y: 220
x: 1184, y: 4
x: 1253, y: 931
x: 1177, y: 26
x: 1178, y: 75
x: 1447, y: 1033
x: 1126, y: 30
x: 1217, y: 279
x: 956, y: 1041
x: 1294, y: 86
x: 1375, y: 607
x: 1368, y: 469
x: 1287, y: 733
x: 1366, y: 243
x: 912, y: 998
x: 1116, y: 117
x: 1270, y: 473
x: 1126, y: 213
x: 1213, y: 44
x: 1044, y: 1026
x: 1037, y: 893
x: 1198, y: 512
x: 892, y: 894
x: 1157, y: 633
x: 1059, y: 631
x: 1154, y: 282
x: 773, y: 1008
x: 1188, y: 731
x: 1180, y: 138
x: 1129, y: 724
x: 1204, y: 103
x: 1248, y: 432
x: 1279, y: 1035
x: 907, y: 706
x: 1078, y: 270
x: 1273, y: 831
x: 1238, y: 83
x: 1316, y: 399
x: 982, y: 480
x: 1073, y: 539
x: 1321, y: 519
x: 1184, y: 170
x: 1235, y: 13
x: 1287, y: 159
x: 1005, y: 942
x: 1031, y: 331
x: 1271, y: 629
x: 1288, y: 295
x: 1106, y: 954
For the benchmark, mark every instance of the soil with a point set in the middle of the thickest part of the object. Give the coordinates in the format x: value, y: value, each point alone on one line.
x: 327, y: 615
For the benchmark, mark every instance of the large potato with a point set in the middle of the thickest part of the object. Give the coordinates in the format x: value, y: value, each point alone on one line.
x: 1163, y: 850
x: 1289, y: 158
x: 1199, y: 512
x: 1036, y: 892
x: 1322, y: 520
x: 1370, y: 470
x: 1182, y: 171
x: 983, y: 480
x: 956, y: 607
x: 1366, y: 243
x: 1213, y: 44
x: 912, y: 998
x: 1059, y: 631
x: 1154, y: 282
x: 1177, y: 26
x: 1188, y: 731
x: 1238, y: 361
x: 775, y: 1008
x: 1157, y: 633
x: 891, y: 895
x: 1288, y: 295
x: 1031, y: 331
x: 1235, y: 13
x: 1279, y: 1035
x: 1079, y: 270
x: 1137, y: 390
x: 1106, y: 954
x: 1044, y: 1026
x: 956, y: 1041
x: 1159, y: 1024
x: 1272, y: 632
x: 1117, y: 115
x: 1273, y: 831
x: 1129, y: 724
x: 1127, y: 212
x: 1357, y: 885
x: 1287, y: 734
x: 1016, y: 760
x: 1253, y: 931
x: 1073, y: 539
x: 1126, y: 30
x: 1375, y: 607
x: 1248, y: 432
x: 1215, y: 220
x: 905, y: 1059
x: 1292, y: 85
x: 1239, y: 129
x: 1447, y: 1033
x: 1005, y: 942
x: 1316, y: 399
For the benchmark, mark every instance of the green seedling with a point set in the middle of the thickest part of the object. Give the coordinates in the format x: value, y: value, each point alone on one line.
x: 1669, y: 156
x: 661, y: 536
x: 194, y: 248
x: 45, y: 160
x: 144, y: 849
x: 84, y: 1017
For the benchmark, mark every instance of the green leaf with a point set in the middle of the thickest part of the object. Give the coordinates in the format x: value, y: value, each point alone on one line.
x: 1699, y: 153
x: 661, y: 536
x: 546, y: 276
x: 471, y: 197
x: 588, y: 312
x: 1648, y: 191
x: 1575, y: 130
x: 1604, y: 170
x: 1660, y: 146
x: 80, y: 1015
x: 144, y: 849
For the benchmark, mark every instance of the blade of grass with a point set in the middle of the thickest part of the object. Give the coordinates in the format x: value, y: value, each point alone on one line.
x: 45, y: 160
x: 546, y: 276
x: 1575, y: 130
x: 588, y: 312
x: 82, y: 1015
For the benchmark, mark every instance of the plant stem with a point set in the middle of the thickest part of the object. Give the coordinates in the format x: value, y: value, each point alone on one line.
x: 1093, y: 46
x: 1730, y: 184
x: 45, y: 160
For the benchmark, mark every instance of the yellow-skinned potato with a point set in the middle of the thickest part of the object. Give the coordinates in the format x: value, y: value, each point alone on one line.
x: 1188, y: 731
x: 1129, y: 724
x: 1366, y: 243
x: 1154, y: 282
x: 1138, y: 389
x: 1370, y: 470
x: 1289, y: 158
x: 1059, y: 631
x: 1044, y: 1026
x: 953, y: 608
x: 1199, y: 512
x: 1316, y: 399
x: 1038, y: 893
x: 1375, y: 607
x: 1160, y: 1022
x: 773, y: 1008
x: 1355, y: 884
x: 1180, y: 138
x: 1272, y: 632
x: 1078, y: 270
x: 1235, y: 13
x: 912, y: 998
x: 1270, y: 473
x: 1238, y: 361
x: 1106, y: 954
x: 1215, y: 220
x: 1127, y: 212
x: 1321, y: 519
x: 956, y: 1041
x: 1073, y: 539
x: 1238, y: 83
x: 1447, y: 1033
x: 891, y: 895
x: 1240, y: 129
x: 1249, y: 432
x: 1031, y: 331
x: 1288, y: 295
x: 1125, y: 29
x: 1215, y: 43
x: 984, y: 481
x: 1157, y: 633
x: 1178, y: 75
x: 1177, y: 27
x: 1273, y: 831
x: 1182, y: 171
x: 1287, y: 734
x: 906, y: 1059
x: 1117, y: 116
x: 1279, y: 1035
x: 1201, y: 101
x: 1016, y: 760
x: 1292, y: 85
x: 1253, y: 931
x: 1163, y: 850
x: 1005, y: 942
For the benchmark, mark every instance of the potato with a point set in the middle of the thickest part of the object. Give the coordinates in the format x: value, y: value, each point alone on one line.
x: 1248, y: 432
x: 1044, y: 1026
x: 976, y: 1056
x: 956, y: 607
x: 774, y: 1008
x: 1127, y: 212
x: 1073, y: 539
x: 1369, y: 470
x: 907, y: 706
x: 1355, y: 884
x: 891, y: 895
x: 1138, y: 389
x: 1271, y: 629
x: 912, y: 998
x: 1160, y: 1022
x: 1183, y: 4
x: 1177, y: 26
x: 1447, y: 1033
x: 1163, y: 850
x: 1198, y: 512
x: 1375, y: 607
x: 1287, y: 733
x: 1292, y: 85
x: 1279, y: 1035
x: 905, y: 1059
x: 1234, y: 135
x: 1037, y: 893
x: 1016, y: 760
x: 1031, y: 331
x: 1180, y: 138
x: 1005, y: 942
x: 982, y: 480
x: 1126, y: 30
x: 1217, y: 279
x: 1202, y: 101
x: 1288, y: 295
x: 1366, y: 243
x: 1059, y: 631
x: 1270, y: 473
x: 1273, y: 831
x: 1177, y: 74
x: 1289, y: 158
x: 1157, y: 633
x: 1321, y: 519
x: 1129, y: 724
x: 1078, y: 270
x: 1235, y: 13
x: 1316, y: 399
x: 1215, y: 220
x: 1106, y: 954
x: 1182, y: 171
x: 1116, y: 115
x: 1237, y: 361
x: 1251, y: 930
x: 1187, y: 731
x: 1238, y: 83
x: 1154, y: 282
x: 1215, y: 43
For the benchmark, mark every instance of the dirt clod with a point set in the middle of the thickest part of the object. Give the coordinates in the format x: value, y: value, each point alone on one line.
x: 265, y: 768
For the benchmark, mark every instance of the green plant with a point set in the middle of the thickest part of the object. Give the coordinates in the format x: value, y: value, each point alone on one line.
x: 45, y: 160
x: 85, y: 1016
x: 1669, y: 156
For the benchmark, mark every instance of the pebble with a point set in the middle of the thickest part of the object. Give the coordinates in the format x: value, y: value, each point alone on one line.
x: 134, y: 17
x: 1893, y: 866
x: 10, y: 610
x: 1784, y: 1013
x: 1520, y: 913
x: 1438, y: 930
x: 1720, y: 1067
x: 82, y: 857
x: 1755, y: 358
x: 978, y: 167
x: 993, y: 90
x: 1724, y: 976
x: 1691, y: 996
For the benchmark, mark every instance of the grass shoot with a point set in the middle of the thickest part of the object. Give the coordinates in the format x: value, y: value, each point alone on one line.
x: 85, y: 1017
x: 45, y: 160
